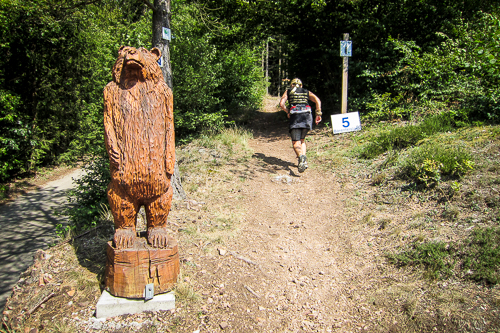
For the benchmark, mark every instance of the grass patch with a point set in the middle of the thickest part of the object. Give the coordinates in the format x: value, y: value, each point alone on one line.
x: 481, y: 254
x: 406, y: 136
x: 476, y: 258
x: 184, y: 291
x: 436, y: 257
x: 368, y: 219
x: 226, y: 139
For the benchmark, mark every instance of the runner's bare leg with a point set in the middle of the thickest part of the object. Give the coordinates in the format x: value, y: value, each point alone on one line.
x: 303, y: 144
x: 297, y: 147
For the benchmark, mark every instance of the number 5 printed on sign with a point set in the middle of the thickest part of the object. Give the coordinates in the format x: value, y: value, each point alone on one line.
x: 346, y: 122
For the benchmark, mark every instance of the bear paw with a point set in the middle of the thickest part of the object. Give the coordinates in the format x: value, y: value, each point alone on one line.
x: 124, y: 238
x: 158, y: 237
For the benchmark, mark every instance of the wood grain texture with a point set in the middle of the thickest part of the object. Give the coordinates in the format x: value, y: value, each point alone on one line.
x: 128, y: 271
x: 139, y: 136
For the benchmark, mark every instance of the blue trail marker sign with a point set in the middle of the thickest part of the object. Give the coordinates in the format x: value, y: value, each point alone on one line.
x: 345, y: 48
x: 166, y: 34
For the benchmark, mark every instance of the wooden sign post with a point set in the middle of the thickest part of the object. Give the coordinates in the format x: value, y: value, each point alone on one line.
x: 345, y: 122
x: 345, y: 53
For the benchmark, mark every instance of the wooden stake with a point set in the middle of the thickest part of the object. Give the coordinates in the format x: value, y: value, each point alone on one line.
x: 267, y: 65
x: 345, y: 67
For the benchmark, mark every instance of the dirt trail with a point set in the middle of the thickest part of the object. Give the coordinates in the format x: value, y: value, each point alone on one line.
x: 297, y: 261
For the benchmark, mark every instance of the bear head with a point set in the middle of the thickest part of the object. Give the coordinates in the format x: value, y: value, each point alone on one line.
x: 138, y: 59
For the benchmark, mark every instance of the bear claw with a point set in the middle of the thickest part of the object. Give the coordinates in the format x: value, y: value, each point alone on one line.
x: 158, y: 237
x: 124, y: 238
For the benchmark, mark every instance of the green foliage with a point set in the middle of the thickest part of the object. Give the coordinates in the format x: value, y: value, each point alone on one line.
x: 477, y: 258
x: 213, y: 86
x: 429, y: 172
x: 481, y: 256
x: 58, y: 56
x: 383, y: 107
x: 429, y: 163
x: 460, y: 70
x: 12, y: 135
x: 436, y: 257
x: 409, y: 135
x: 242, y: 88
x: 56, y: 59
x: 88, y: 197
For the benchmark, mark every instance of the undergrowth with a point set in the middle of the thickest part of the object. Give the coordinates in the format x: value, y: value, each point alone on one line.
x: 476, y: 258
x: 429, y: 163
x: 436, y: 257
x: 405, y: 136
x: 440, y: 162
x: 87, y: 200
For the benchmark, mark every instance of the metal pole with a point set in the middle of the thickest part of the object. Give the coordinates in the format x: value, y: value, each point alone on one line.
x: 345, y: 67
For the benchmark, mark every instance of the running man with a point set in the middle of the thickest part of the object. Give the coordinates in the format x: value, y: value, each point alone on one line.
x: 300, y: 115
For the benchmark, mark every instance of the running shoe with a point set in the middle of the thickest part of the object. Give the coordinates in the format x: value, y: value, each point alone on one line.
x: 302, y: 163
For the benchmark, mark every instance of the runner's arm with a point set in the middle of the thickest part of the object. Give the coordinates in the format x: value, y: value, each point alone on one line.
x: 316, y: 101
x: 284, y: 97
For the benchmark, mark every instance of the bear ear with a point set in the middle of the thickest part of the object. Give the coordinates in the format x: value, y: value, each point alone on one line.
x: 156, y: 52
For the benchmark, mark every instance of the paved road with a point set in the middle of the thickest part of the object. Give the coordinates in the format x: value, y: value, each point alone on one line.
x: 27, y: 225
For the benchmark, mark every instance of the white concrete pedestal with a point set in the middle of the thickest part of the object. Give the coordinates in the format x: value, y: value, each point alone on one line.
x: 111, y: 306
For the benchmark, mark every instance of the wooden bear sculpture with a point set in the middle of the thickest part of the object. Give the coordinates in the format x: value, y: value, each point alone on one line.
x: 139, y: 134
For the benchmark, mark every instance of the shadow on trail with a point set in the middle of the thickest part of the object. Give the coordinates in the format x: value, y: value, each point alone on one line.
x: 270, y: 126
x: 273, y: 161
x: 27, y: 225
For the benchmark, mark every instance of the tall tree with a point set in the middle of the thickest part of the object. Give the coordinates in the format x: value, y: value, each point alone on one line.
x: 161, y: 20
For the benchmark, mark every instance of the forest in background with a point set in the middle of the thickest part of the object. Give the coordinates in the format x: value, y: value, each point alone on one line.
x: 410, y: 59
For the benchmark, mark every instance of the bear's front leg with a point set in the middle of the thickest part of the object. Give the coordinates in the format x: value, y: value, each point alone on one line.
x: 156, y: 214
x: 124, y: 212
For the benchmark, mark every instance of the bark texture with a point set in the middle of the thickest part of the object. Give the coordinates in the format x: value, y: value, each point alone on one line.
x: 161, y: 19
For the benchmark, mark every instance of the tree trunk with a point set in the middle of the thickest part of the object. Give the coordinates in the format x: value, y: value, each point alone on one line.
x: 161, y: 19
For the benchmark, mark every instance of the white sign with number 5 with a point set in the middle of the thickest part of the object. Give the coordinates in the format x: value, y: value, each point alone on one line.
x: 346, y: 122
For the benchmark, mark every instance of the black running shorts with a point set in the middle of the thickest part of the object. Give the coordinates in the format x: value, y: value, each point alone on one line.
x: 298, y: 133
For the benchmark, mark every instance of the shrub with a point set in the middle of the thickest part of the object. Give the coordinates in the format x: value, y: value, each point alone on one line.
x: 213, y: 86
x: 461, y: 70
x: 88, y: 197
x: 427, y: 164
x: 383, y: 107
